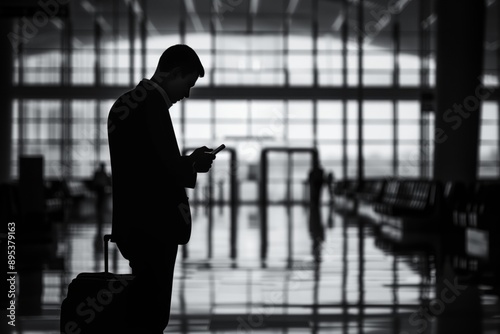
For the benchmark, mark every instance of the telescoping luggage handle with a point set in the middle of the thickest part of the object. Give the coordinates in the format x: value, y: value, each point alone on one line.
x: 107, y: 238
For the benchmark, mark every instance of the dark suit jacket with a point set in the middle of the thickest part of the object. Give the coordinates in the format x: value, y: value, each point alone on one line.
x: 149, y: 199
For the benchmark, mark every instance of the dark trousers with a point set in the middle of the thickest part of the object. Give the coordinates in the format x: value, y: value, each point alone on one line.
x: 150, y: 294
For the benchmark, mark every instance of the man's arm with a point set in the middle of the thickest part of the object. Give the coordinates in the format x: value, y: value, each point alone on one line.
x: 165, y: 145
x: 189, y: 174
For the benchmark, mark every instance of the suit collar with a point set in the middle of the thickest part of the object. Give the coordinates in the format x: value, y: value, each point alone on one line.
x: 161, y: 91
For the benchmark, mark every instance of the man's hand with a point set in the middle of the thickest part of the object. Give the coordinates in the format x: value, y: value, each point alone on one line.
x: 202, y: 159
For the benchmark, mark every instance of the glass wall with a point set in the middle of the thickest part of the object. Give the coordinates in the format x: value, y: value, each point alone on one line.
x: 303, y: 48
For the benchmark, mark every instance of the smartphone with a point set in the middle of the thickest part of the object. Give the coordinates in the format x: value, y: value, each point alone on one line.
x: 218, y: 149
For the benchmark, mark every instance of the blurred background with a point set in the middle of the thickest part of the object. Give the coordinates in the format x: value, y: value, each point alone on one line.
x: 397, y: 102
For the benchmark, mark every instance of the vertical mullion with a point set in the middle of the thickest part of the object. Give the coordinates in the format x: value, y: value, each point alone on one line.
x: 395, y: 84
x: 286, y: 33
x: 98, y: 76
x: 213, y: 43
x: 182, y: 37
x: 20, y: 104
x: 423, y: 84
x: 286, y: 51
x: 314, y: 15
x: 498, y: 76
x: 116, y: 35
x: 314, y: 19
x: 360, y: 172
x: 360, y: 90
x: 144, y: 38
x: 345, y: 26
x: 131, y: 37
x: 424, y: 55
x: 249, y: 119
x: 65, y: 143
x: 249, y: 42
x: 97, y: 53
x: 212, y: 125
x: 250, y: 17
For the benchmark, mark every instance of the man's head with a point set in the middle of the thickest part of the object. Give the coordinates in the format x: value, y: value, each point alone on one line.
x: 178, y: 69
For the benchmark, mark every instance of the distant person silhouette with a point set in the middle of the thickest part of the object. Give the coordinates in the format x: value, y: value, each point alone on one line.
x: 316, y: 230
x: 100, y: 181
x: 151, y: 213
x: 330, y: 182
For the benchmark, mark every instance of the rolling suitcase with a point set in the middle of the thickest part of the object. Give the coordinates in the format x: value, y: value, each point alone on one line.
x: 95, y: 302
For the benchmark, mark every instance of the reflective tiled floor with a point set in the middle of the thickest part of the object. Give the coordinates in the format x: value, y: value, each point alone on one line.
x: 363, y: 284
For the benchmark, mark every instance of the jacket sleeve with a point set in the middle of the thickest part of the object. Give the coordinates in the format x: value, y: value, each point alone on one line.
x: 188, y: 176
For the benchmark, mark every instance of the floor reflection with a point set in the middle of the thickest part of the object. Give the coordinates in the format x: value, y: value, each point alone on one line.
x: 362, y: 283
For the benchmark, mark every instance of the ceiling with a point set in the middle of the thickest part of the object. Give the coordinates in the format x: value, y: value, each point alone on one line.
x: 243, y: 16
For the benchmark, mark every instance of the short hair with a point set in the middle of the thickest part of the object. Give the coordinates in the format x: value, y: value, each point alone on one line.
x: 182, y: 56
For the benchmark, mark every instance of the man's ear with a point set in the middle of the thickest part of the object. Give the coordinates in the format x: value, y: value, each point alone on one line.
x: 175, y: 72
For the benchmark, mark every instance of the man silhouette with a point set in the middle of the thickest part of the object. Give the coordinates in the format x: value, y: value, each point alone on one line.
x: 151, y: 214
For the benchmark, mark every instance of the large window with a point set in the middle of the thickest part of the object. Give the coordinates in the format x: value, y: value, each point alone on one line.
x: 282, y: 44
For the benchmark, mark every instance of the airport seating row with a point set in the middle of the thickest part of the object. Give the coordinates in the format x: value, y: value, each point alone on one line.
x: 371, y: 190
x: 475, y: 206
x: 460, y: 222
x: 476, y: 217
x: 479, y: 207
x: 346, y: 188
x: 58, y: 194
x: 394, y: 197
x: 403, y: 209
x: 408, y: 198
x: 9, y: 202
x: 463, y: 219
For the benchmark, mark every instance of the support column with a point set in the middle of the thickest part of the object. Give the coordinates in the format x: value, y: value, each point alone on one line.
x: 425, y: 35
x: 6, y: 68
x: 459, y: 69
